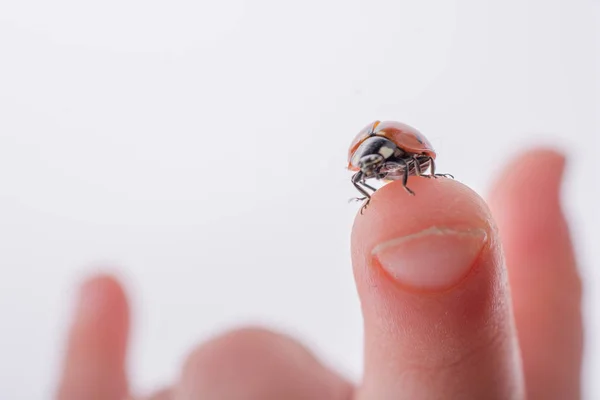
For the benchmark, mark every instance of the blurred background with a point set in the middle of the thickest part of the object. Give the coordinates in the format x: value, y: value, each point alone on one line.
x: 198, y: 148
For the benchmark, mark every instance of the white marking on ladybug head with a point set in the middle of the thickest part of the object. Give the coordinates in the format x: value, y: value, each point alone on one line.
x: 370, y: 162
x: 386, y: 152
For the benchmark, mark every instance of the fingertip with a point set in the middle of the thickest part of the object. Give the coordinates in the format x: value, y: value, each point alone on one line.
x: 435, y: 195
x: 108, y: 285
x: 110, y: 281
x: 102, y: 297
x: 535, y: 172
x: 545, y: 154
x: 439, y: 206
x: 526, y: 200
x: 105, y: 280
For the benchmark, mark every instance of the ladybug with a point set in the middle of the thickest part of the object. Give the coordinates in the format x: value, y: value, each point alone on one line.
x: 389, y: 151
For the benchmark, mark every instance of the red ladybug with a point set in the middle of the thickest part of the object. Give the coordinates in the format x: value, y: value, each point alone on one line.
x: 389, y: 151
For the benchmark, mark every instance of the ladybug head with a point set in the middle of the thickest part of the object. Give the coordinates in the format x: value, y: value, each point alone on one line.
x: 370, y: 163
x: 373, y: 153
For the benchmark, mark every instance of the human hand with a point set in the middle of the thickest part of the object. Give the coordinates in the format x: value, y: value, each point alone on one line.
x: 447, y: 313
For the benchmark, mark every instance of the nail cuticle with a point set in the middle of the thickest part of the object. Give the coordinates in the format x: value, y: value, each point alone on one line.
x: 434, y: 230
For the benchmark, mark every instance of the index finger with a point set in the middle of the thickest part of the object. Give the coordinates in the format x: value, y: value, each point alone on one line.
x: 435, y: 300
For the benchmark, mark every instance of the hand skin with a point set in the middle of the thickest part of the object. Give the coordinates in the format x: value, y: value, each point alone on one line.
x: 449, y: 312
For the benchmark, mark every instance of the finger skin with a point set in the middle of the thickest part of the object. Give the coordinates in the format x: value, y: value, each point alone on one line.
x: 256, y: 364
x: 543, y: 273
x: 456, y: 341
x: 163, y: 394
x: 94, y: 365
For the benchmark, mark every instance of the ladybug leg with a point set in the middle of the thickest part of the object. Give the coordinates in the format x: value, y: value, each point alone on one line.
x: 357, y: 180
x: 368, y: 186
x: 434, y: 175
x: 405, y: 177
x: 418, y: 168
x: 432, y: 163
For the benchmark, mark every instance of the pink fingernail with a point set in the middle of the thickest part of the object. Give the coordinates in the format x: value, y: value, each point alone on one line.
x: 431, y: 259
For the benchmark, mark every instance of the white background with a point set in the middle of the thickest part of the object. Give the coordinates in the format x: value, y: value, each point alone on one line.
x: 199, y: 148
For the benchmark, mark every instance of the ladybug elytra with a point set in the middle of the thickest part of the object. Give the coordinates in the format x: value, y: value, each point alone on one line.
x: 389, y: 151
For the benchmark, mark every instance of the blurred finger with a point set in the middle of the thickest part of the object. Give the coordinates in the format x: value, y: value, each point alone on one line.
x: 543, y: 273
x: 255, y: 364
x: 164, y: 394
x: 94, y: 366
x: 431, y: 279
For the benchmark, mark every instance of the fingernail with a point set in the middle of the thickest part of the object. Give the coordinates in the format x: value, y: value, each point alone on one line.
x: 431, y: 259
